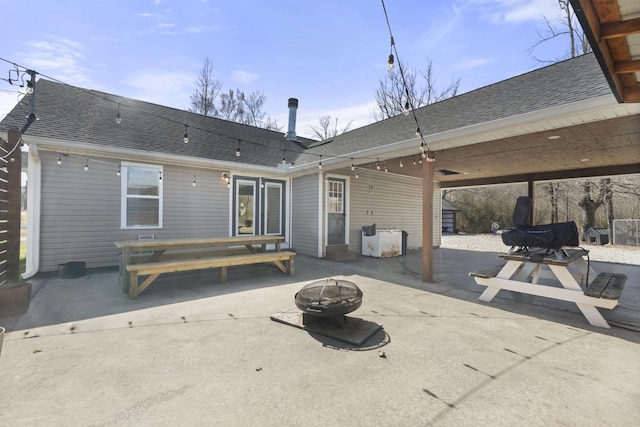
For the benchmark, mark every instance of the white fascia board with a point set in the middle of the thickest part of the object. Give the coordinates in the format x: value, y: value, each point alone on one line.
x: 129, y: 154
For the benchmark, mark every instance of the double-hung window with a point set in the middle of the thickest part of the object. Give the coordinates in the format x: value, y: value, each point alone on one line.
x: 141, y: 190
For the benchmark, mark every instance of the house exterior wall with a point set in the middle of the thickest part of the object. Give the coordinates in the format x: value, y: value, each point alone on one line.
x: 80, y: 210
x: 304, y: 214
x: 393, y: 202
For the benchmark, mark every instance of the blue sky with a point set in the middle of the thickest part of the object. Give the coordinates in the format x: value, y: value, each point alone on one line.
x: 329, y: 54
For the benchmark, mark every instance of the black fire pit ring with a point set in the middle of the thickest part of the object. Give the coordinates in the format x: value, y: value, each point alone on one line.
x: 328, y: 299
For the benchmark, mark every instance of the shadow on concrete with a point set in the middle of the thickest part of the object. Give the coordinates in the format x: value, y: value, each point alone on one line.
x: 98, y: 293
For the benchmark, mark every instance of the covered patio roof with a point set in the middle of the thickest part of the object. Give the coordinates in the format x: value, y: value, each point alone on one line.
x: 613, y: 30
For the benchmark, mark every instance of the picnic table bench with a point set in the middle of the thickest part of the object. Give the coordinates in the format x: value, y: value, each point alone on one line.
x: 154, y: 257
x: 578, y: 281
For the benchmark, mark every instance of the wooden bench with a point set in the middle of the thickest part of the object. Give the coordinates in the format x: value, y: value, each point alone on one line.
x: 607, y: 286
x: 282, y: 259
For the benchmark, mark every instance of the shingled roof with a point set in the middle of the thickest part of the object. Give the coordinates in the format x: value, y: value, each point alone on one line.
x: 565, y: 82
x: 68, y: 113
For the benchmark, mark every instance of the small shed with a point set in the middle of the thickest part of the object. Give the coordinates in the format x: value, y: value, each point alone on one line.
x: 449, y: 211
x: 597, y: 236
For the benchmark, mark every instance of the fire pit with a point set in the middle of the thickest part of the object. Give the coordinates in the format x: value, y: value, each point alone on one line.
x: 328, y: 300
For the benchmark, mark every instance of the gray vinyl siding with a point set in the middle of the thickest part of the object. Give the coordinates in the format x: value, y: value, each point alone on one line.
x: 80, y: 210
x: 394, y: 202
x: 304, y: 215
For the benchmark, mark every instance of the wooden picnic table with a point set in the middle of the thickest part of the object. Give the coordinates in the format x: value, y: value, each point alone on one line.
x: 154, y: 257
x: 570, y: 278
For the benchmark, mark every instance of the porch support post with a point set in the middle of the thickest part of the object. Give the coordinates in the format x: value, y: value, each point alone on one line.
x: 427, y: 220
x: 531, y: 191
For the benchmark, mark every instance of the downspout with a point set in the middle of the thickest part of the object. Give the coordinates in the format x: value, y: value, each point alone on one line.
x: 34, y: 173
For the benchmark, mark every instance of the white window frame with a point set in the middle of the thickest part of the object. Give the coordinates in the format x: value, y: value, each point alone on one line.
x: 280, y: 186
x: 124, y: 196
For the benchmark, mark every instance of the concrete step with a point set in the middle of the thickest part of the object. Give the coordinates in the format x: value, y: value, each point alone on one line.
x: 341, y: 255
x: 337, y: 248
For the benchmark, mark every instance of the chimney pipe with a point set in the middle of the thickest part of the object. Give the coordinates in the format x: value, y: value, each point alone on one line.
x: 293, y: 109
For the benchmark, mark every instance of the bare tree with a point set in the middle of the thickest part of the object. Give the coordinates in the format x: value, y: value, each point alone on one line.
x: 395, y: 96
x: 327, y: 128
x: 203, y: 100
x: 578, y: 43
x: 209, y: 100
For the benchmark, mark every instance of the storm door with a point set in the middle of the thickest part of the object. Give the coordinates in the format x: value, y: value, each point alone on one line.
x: 273, y: 208
x: 336, y: 211
x: 245, y: 207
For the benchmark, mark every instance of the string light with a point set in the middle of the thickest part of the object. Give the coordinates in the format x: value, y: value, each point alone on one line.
x: 60, y: 159
x: 407, y: 108
x: 186, y: 135
x: 238, y: 149
x: 284, y: 160
x: 356, y: 173
x: 401, y: 164
x: 352, y: 167
x: 320, y: 163
x: 414, y: 161
x: 86, y: 165
x: 378, y: 164
x: 118, y: 172
x: 118, y: 116
x: 194, y: 180
x: 390, y: 61
x: 385, y: 168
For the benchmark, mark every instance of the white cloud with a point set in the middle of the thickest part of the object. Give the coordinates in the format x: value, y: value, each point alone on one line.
x: 8, y: 100
x: 244, y: 77
x: 468, y: 63
x: 169, y: 88
x: 516, y: 11
x: 58, y: 58
x: 359, y: 115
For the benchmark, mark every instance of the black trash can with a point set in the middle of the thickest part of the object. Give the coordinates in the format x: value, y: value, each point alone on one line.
x: 405, y: 235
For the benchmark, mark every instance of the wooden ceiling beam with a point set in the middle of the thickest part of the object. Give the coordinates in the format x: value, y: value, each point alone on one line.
x: 631, y: 66
x: 620, y: 29
x: 546, y: 176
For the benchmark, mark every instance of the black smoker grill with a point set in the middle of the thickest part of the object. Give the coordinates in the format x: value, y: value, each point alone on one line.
x: 328, y: 300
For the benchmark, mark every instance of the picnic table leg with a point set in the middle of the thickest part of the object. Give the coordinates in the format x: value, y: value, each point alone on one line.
x: 133, y: 285
x: 508, y: 270
x: 291, y: 267
x: 590, y: 312
x: 124, y: 274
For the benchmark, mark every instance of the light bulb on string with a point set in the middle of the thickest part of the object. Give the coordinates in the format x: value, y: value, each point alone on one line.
x: 186, y: 135
x: 60, y: 159
x: 352, y: 167
x: 86, y: 165
x: 356, y: 174
x: 118, y: 172
x: 418, y: 133
x: 238, y: 149
x: 320, y: 163
x: 118, y: 116
x: 377, y: 164
x: 414, y: 161
x: 390, y: 62
x: 407, y: 108
x: 194, y: 180
x: 401, y: 164
x: 29, y: 89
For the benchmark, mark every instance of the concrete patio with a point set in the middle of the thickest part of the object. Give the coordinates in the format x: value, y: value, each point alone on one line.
x: 192, y: 351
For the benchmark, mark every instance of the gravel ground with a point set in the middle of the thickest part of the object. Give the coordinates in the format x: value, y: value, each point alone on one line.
x: 493, y: 243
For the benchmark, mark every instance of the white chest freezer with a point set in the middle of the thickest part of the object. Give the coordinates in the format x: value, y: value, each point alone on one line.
x: 383, y: 244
